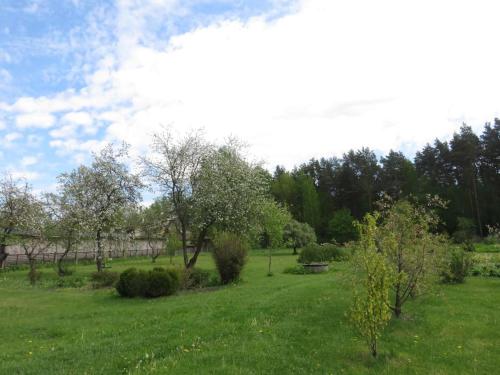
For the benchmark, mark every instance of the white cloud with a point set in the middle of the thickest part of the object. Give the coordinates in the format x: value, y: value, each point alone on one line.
x: 9, y: 138
x: 35, y: 120
x: 325, y: 78
x: 29, y: 160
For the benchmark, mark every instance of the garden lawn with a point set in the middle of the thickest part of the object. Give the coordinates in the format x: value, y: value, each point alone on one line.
x: 284, y: 324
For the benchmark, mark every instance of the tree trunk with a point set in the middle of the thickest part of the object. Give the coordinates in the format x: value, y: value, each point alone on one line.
x: 199, y: 246
x: 3, y: 255
x: 397, y: 304
x: 270, y: 257
x: 294, y: 250
x: 99, y: 258
x: 374, y: 348
x: 32, y: 273
x: 476, y: 201
x: 184, y: 245
x: 60, y: 269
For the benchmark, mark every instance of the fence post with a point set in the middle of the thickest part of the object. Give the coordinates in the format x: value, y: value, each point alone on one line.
x: 17, y: 259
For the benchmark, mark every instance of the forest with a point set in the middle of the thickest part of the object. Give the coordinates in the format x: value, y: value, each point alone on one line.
x: 463, y: 171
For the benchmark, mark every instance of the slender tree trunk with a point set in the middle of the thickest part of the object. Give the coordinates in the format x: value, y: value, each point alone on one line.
x: 60, y: 269
x: 294, y: 250
x: 397, y: 304
x: 476, y: 201
x: 184, y: 244
x: 374, y: 348
x: 32, y: 273
x: 270, y: 257
x: 99, y: 259
x: 199, y: 247
x: 3, y: 255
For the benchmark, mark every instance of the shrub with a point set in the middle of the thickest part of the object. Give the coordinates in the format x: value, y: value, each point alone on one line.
x: 73, y: 281
x: 132, y: 283
x: 458, y: 266
x: 104, y: 279
x: 229, y: 254
x: 161, y: 282
x: 151, y: 284
x: 199, y: 278
x: 326, y: 252
x: 297, y: 270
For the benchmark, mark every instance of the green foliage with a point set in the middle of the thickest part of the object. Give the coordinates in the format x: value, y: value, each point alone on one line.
x: 72, y: 281
x: 271, y: 224
x: 151, y: 284
x: 298, y: 234
x: 173, y: 243
x: 229, y: 254
x: 132, y: 283
x: 196, y: 278
x: 457, y: 266
x: 413, y: 253
x: 298, y: 270
x: 370, y: 310
x: 161, y: 282
x: 341, y: 227
x: 104, y: 279
x: 465, y: 230
x: 314, y: 253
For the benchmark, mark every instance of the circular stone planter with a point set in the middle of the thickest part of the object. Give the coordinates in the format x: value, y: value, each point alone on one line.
x: 316, y: 267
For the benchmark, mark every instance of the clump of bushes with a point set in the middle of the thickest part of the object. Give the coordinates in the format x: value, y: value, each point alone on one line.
x: 229, y: 254
x: 150, y: 284
x: 196, y: 278
x: 73, y: 281
x: 327, y: 252
x: 297, y: 270
x: 458, y: 266
x: 104, y: 279
x: 488, y: 270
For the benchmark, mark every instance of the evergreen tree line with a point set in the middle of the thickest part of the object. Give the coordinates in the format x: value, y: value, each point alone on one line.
x: 464, y: 171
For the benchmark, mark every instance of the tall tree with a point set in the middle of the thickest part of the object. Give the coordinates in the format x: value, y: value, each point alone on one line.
x: 173, y: 166
x: 465, y: 152
x: 101, y: 192
x: 398, y: 177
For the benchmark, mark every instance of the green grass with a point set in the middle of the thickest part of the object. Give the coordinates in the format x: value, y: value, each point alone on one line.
x: 284, y: 324
x: 482, y: 247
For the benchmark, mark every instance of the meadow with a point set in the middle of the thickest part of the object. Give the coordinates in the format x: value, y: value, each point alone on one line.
x: 284, y: 324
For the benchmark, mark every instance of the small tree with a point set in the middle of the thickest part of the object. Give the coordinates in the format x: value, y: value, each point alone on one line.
x: 299, y: 234
x: 172, y: 244
x: 271, y: 225
x: 412, y: 251
x: 370, y: 310
x: 341, y: 227
x: 101, y: 192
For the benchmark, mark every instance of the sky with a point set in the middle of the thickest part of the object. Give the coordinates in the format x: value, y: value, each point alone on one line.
x: 293, y: 79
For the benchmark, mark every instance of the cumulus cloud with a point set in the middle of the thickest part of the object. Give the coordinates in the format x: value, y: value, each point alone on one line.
x: 323, y: 78
x: 35, y: 120
x: 29, y: 160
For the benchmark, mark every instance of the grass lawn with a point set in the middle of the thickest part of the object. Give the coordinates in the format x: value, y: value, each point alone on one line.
x: 285, y: 324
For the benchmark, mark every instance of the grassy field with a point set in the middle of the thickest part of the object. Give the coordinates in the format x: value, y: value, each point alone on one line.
x: 285, y: 324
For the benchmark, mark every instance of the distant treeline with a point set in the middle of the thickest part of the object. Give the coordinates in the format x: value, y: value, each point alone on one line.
x: 464, y: 171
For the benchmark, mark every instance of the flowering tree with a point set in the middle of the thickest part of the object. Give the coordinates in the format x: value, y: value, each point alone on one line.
x: 173, y: 166
x: 68, y: 223
x: 34, y: 232
x: 154, y: 225
x: 227, y: 195
x: 15, y: 199
x: 101, y: 192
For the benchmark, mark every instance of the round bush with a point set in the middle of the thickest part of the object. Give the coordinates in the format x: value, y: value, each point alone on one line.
x: 160, y: 283
x: 132, y: 283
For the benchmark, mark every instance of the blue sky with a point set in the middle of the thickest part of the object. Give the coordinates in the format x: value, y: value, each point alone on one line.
x: 294, y: 79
